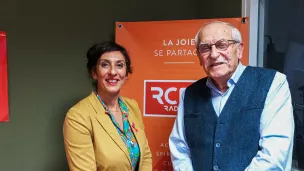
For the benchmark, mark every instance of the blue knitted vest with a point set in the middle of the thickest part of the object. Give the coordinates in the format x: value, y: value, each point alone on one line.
x: 228, y: 142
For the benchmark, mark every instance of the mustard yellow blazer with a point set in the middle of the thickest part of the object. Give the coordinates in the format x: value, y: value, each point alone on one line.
x: 92, y: 142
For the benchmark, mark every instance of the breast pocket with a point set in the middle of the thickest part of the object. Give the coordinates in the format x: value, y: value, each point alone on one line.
x: 251, y: 112
x: 191, y: 114
x: 253, y: 107
x: 250, y: 118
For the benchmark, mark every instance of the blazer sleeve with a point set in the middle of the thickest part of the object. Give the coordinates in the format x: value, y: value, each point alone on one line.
x: 147, y: 155
x: 78, y: 142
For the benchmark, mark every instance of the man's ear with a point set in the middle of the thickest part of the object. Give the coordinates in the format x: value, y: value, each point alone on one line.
x: 240, y: 50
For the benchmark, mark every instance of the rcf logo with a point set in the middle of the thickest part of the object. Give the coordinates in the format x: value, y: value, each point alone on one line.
x: 161, y: 97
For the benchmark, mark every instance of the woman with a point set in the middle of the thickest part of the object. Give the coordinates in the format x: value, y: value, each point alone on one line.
x: 105, y: 131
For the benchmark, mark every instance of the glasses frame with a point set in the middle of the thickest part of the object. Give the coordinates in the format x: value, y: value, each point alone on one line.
x: 230, y: 42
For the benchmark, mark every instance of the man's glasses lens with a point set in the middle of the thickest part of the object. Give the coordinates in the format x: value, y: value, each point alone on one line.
x: 220, y: 45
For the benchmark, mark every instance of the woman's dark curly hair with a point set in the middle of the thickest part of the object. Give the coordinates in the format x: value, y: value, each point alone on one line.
x: 98, y: 49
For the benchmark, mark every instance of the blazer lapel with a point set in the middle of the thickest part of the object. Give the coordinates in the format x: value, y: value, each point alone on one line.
x: 107, y: 124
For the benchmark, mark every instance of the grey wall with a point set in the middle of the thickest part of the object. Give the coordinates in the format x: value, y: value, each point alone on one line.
x: 285, y: 25
x: 47, y: 41
x: 218, y: 8
x: 285, y: 22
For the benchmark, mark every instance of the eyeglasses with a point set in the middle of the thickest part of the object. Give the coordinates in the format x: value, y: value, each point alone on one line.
x: 221, y: 45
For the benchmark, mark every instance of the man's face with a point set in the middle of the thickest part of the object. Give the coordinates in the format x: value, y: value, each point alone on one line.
x: 219, y: 63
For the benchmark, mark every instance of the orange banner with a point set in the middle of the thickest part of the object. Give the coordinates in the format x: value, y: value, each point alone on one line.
x: 164, y: 62
x: 3, y: 79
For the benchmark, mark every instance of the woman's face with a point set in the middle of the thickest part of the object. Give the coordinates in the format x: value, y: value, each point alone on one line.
x: 110, y: 72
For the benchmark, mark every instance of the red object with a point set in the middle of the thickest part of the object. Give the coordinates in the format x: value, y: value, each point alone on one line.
x: 3, y: 79
x: 133, y: 125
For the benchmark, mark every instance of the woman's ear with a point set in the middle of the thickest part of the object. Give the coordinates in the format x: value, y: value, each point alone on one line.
x: 94, y: 74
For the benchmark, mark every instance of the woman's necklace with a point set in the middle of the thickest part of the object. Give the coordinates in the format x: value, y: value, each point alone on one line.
x: 116, y: 110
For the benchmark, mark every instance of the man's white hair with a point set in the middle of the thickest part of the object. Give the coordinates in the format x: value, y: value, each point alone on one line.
x: 235, y: 33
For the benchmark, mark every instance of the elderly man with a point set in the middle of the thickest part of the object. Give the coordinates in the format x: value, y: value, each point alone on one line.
x: 238, y: 118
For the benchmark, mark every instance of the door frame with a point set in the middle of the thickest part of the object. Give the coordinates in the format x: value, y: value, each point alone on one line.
x: 255, y: 11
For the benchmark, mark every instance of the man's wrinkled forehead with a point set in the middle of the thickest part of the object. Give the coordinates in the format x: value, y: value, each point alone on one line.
x: 214, y: 32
